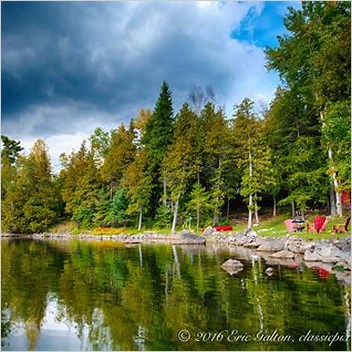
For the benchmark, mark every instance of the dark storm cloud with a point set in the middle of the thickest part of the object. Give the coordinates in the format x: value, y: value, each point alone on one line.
x: 68, y: 67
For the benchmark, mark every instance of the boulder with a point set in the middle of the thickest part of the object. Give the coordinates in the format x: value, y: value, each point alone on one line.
x: 272, y: 245
x: 308, y: 245
x: 208, y: 231
x: 312, y: 256
x: 251, y: 233
x: 232, y: 266
x: 269, y: 271
x: 241, y: 239
x: 283, y: 254
x: 187, y: 237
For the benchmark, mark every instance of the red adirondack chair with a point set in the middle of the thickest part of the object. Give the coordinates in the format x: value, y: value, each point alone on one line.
x: 342, y: 228
x: 319, y: 225
x: 289, y: 225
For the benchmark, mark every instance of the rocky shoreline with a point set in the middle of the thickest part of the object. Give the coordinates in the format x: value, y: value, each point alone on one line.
x: 333, y: 255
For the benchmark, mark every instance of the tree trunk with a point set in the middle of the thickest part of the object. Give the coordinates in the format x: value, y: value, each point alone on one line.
x: 274, y: 206
x: 164, y: 197
x: 216, y: 217
x: 140, y: 218
x: 177, y: 264
x: 333, y: 211
x: 256, y: 210
x: 140, y: 255
x: 293, y: 208
x: 198, y: 219
x: 174, y: 221
x: 335, y: 181
x: 250, y: 203
x: 228, y: 209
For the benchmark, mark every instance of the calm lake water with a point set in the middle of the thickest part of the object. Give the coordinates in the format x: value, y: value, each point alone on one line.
x: 68, y: 295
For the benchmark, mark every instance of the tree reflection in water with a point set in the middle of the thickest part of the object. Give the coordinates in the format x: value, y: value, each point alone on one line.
x: 103, y: 296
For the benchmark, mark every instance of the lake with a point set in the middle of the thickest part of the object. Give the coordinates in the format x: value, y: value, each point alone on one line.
x: 72, y: 295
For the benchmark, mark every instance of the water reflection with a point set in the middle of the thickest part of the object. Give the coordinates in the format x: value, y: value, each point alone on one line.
x: 67, y: 295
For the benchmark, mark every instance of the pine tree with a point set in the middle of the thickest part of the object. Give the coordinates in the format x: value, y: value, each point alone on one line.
x: 138, y: 185
x: 118, y: 157
x: 179, y: 165
x: 32, y: 202
x: 156, y: 139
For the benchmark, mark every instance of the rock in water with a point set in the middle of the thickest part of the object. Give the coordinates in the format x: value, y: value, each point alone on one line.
x: 269, y: 271
x: 232, y: 266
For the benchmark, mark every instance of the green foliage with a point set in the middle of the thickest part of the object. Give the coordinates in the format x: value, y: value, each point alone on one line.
x: 116, y: 214
x: 31, y: 199
x: 159, y: 128
x: 310, y: 118
x: 10, y: 149
x: 163, y: 217
x: 199, y: 202
x: 118, y: 157
x: 138, y: 183
x: 100, y: 142
x: 336, y: 133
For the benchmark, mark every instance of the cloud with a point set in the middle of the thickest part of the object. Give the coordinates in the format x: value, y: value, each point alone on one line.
x: 68, y: 67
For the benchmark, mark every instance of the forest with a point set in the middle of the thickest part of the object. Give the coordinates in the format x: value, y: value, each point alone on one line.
x: 166, y: 168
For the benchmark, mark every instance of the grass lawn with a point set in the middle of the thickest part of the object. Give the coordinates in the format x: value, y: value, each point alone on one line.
x: 275, y: 227
x: 268, y: 226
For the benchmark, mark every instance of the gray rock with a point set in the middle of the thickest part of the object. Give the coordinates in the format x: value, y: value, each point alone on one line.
x: 312, y: 256
x: 308, y: 245
x: 241, y: 239
x: 269, y: 271
x: 341, y: 265
x: 232, y: 266
x: 272, y: 245
x: 283, y: 254
x: 251, y: 233
x: 208, y: 231
x: 187, y: 237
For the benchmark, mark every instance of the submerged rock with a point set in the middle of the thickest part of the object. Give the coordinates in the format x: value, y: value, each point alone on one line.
x: 269, y: 271
x: 232, y: 266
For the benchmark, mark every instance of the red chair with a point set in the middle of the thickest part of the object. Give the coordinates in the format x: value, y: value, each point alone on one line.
x: 342, y: 228
x: 319, y: 225
x: 289, y: 225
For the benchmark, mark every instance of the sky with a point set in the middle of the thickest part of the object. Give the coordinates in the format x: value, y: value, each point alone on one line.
x: 69, y: 67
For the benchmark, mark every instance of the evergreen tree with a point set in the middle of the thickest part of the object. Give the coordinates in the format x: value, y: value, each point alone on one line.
x: 199, y: 202
x: 157, y: 137
x: 179, y: 165
x: 215, y: 137
x: 31, y: 204
x: 118, y: 157
x: 253, y: 156
x: 138, y: 185
x: 81, y: 190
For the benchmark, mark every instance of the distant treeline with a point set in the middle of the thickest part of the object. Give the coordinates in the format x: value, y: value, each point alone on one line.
x: 167, y: 167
